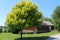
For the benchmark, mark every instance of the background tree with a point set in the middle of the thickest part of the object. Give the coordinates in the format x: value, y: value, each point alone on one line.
x: 56, y: 17
x: 48, y: 19
x: 24, y: 14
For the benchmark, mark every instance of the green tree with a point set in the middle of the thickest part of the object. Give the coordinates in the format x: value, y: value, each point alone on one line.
x: 56, y: 17
x: 24, y: 14
x: 48, y: 19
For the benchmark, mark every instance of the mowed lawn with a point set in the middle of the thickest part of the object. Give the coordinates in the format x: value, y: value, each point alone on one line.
x: 40, y: 36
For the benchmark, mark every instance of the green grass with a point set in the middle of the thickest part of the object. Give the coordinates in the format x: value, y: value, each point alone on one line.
x: 40, y: 36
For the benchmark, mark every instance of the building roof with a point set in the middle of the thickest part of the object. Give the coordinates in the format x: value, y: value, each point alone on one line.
x: 47, y: 23
x: 30, y: 28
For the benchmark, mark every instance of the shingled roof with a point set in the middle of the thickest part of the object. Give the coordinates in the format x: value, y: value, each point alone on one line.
x: 47, y: 23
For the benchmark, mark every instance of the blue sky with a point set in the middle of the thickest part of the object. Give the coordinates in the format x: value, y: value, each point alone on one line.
x: 46, y: 6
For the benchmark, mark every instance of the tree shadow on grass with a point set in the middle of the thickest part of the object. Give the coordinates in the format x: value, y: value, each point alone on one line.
x: 52, y: 38
x: 33, y: 38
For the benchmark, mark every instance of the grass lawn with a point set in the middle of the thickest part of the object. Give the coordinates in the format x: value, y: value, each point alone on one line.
x: 40, y: 36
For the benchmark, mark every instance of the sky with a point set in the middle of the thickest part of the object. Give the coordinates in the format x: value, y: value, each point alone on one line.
x: 45, y: 6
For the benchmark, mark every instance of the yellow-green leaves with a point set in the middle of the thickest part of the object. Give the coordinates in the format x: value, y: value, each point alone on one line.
x: 23, y: 14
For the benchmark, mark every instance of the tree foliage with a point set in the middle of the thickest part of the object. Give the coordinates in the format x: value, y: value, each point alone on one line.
x: 48, y: 19
x: 24, y: 14
x: 56, y: 17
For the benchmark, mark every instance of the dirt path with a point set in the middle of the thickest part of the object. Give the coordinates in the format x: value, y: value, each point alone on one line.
x: 55, y: 37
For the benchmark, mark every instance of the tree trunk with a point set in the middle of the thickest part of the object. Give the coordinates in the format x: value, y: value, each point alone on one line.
x: 58, y: 28
x: 21, y: 32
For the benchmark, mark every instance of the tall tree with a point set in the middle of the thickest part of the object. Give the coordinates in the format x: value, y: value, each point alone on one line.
x: 24, y: 14
x: 48, y: 19
x: 56, y: 17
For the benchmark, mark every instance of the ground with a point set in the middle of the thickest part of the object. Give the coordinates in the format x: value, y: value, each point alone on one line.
x: 54, y: 37
x: 40, y: 36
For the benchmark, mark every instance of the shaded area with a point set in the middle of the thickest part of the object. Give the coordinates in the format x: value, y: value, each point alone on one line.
x: 52, y: 38
x: 33, y: 38
x: 15, y: 31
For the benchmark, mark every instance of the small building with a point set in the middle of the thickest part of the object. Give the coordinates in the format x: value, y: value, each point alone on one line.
x: 3, y: 29
x: 49, y: 24
x: 46, y: 27
x: 30, y: 30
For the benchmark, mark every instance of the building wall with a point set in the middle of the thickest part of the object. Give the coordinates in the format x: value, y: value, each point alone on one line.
x: 3, y: 29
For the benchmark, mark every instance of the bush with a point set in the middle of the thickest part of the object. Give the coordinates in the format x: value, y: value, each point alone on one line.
x: 15, y: 31
x: 0, y: 30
